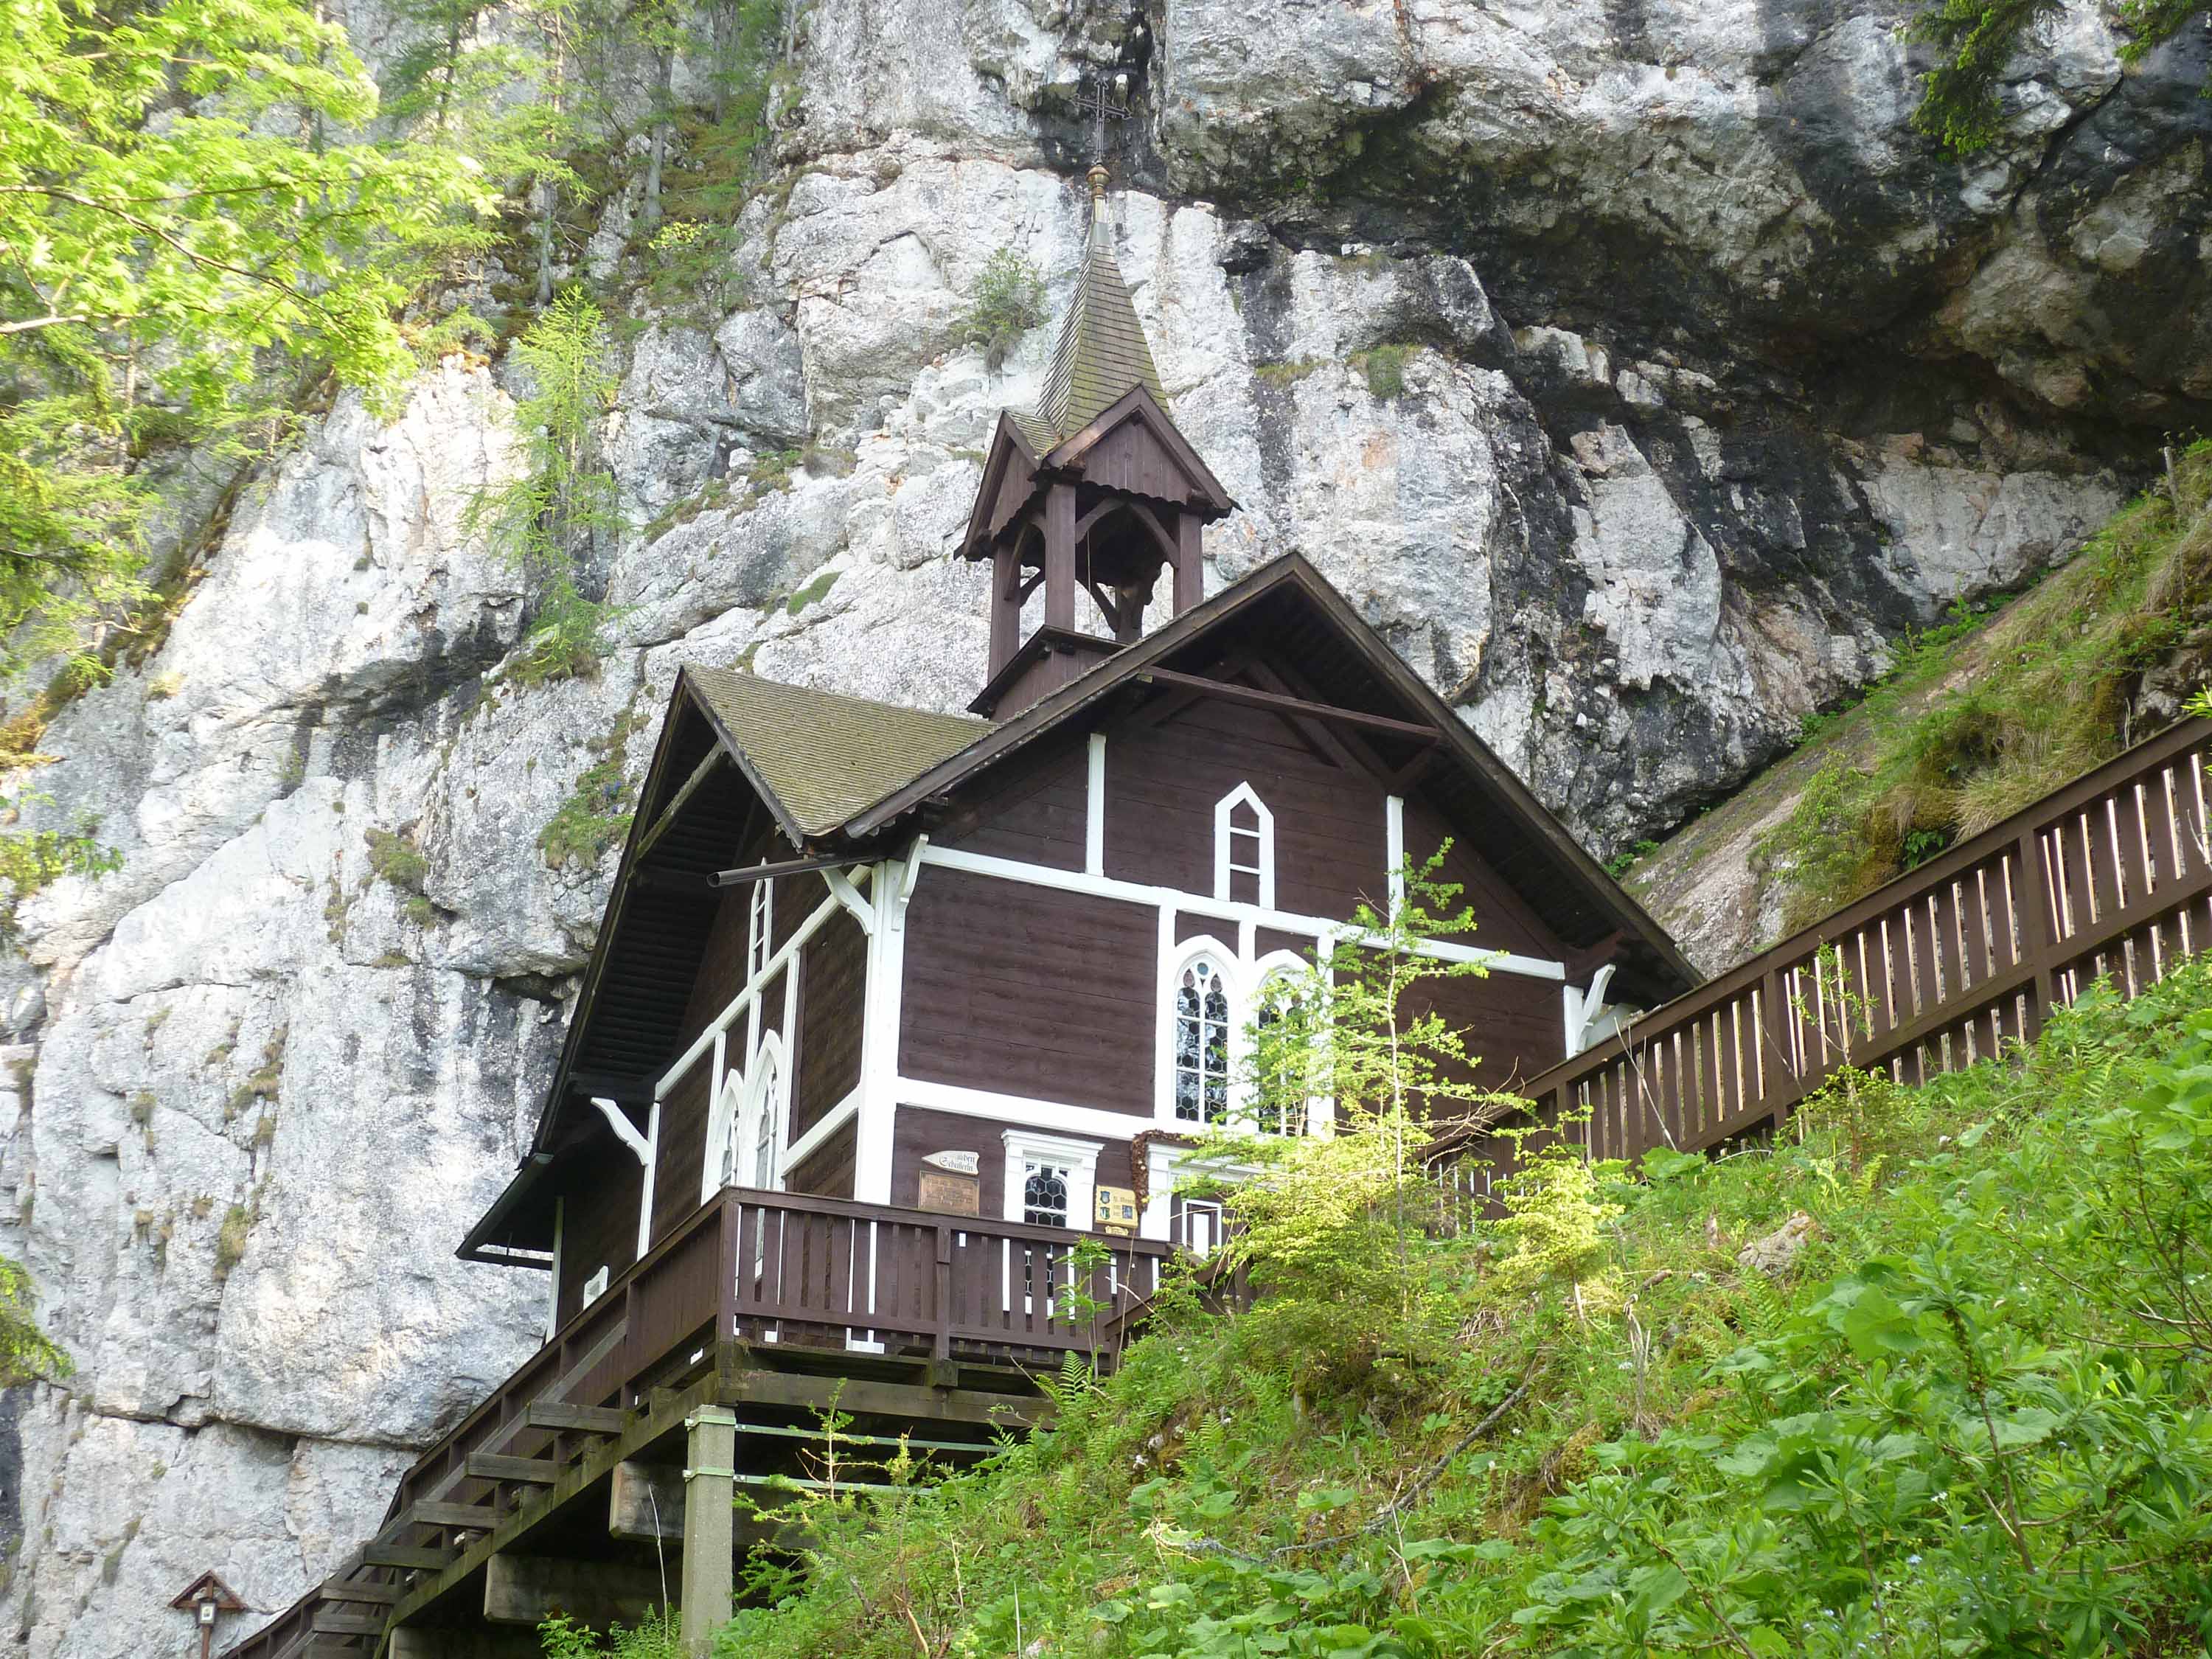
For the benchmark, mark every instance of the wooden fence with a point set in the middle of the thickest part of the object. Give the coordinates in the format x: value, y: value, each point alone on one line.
x: 2110, y: 877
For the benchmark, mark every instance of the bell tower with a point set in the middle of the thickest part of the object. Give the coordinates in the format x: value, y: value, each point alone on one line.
x: 1094, y: 491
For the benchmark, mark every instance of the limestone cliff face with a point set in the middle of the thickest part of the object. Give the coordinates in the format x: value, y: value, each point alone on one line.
x: 1719, y: 377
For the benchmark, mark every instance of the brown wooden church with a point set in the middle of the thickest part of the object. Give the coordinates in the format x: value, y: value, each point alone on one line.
x: 887, y: 1004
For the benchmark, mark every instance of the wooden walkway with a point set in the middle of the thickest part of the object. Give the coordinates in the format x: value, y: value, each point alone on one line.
x: 2110, y: 877
x: 765, y: 1311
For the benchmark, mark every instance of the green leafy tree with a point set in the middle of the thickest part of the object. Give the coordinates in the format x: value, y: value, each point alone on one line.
x: 1976, y: 39
x: 1340, y: 1217
x: 184, y: 203
x: 547, y: 518
x: 27, y: 1354
x: 1007, y: 301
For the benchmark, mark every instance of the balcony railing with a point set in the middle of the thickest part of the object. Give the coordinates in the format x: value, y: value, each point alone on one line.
x: 2108, y: 877
x: 779, y: 1271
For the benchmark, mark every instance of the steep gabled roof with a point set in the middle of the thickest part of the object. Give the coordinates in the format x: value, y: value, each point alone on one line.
x: 819, y: 757
x: 1102, y: 352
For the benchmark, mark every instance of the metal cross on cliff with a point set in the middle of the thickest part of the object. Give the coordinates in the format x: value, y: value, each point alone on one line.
x: 1102, y: 100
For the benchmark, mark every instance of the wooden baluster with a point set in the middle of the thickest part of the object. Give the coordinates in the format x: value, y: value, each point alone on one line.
x: 2032, y: 906
x: 941, y: 1311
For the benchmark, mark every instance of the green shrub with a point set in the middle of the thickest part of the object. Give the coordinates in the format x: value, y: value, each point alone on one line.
x: 1005, y: 302
x: 1384, y: 365
x: 396, y: 859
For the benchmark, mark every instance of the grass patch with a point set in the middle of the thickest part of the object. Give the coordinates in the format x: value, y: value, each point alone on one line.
x: 1384, y: 367
x: 1978, y: 719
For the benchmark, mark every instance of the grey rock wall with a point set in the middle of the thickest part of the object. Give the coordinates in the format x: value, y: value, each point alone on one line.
x: 1716, y: 377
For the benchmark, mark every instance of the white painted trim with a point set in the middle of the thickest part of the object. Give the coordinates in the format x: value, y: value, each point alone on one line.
x: 760, y: 925
x: 828, y: 1125
x: 1224, y: 842
x: 1393, y: 851
x: 849, y: 896
x: 645, y: 1194
x: 722, y: 1112
x: 1079, y: 1157
x: 767, y: 1090
x: 879, y: 1030
x: 1047, y: 1115
x: 1075, y: 881
x: 1094, y: 809
x: 910, y: 873
x: 625, y: 1130
x: 787, y: 952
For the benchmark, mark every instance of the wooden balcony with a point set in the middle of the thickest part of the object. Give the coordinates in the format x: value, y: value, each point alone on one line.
x: 776, y: 1306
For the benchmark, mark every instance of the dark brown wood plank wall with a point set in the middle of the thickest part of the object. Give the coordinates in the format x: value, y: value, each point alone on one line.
x: 1037, y: 813
x: 771, y: 1006
x: 1514, y: 1025
x: 797, y: 897
x: 599, y: 1225
x: 828, y: 1173
x: 833, y: 983
x: 916, y: 1132
x: 1163, y: 781
x: 1268, y: 940
x: 682, y: 1151
x: 1130, y: 458
x: 1030, y: 991
x: 1503, y: 922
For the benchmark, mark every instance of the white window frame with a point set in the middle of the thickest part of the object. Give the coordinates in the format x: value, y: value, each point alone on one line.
x: 768, y: 1090
x: 1242, y: 981
x: 760, y: 927
x: 1225, y: 863
x: 1078, y: 1157
x: 721, y: 1123
x: 1228, y: 969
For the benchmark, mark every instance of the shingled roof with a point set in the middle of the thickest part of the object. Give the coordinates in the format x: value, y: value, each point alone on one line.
x: 821, y: 755
x: 1102, y: 352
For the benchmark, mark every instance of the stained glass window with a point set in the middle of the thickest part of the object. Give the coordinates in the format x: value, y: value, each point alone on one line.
x: 1201, y: 1053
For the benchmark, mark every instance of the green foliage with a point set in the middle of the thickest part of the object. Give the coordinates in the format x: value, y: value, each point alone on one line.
x: 31, y: 859
x: 1975, y: 39
x: 1979, y: 717
x: 1006, y: 302
x: 1384, y: 367
x: 1336, y: 1221
x: 548, y: 518
x: 186, y: 212
x: 26, y: 1353
x: 396, y: 859
x: 659, y: 1637
x: 1621, y: 863
x: 1974, y: 1417
x: 230, y: 1240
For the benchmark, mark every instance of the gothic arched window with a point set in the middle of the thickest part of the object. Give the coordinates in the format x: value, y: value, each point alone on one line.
x: 1281, y: 1062
x: 1201, y: 1044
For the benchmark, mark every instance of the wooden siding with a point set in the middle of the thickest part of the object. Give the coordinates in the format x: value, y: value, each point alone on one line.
x: 1036, y: 813
x: 1131, y: 457
x: 1030, y: 991
x: 1163, y: 780
x: 1268, y: 940
x: 1503, y: 921
x: 682, y: 1151
x: 599, y: 1227
x: 828, y: 1172
x: 917, y: 1132
x: 1514, y: 1025
x: 833, y: 983
x: 771, y: 1004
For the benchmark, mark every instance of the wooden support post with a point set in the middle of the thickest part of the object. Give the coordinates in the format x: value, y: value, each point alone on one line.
x: 2032, y: 892
x: 1060, y: 556
x: 528, y: 1590
x: 1190, y: 564
x: 1006, y: 607
x: 645, y: 1503
x: 709, y: 1524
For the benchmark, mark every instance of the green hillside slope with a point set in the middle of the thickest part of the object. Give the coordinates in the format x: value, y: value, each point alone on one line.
x: 1976, y: 719
x: 1968, y: 1416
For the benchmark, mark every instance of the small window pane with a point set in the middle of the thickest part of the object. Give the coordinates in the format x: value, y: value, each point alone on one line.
x: 1044, y: 1194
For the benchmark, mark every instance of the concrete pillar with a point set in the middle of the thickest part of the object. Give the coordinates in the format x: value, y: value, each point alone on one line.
x: 709, y: 1524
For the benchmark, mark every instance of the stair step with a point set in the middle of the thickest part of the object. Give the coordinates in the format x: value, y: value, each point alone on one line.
x: 496, y: 1466
x: 580, y: 1419
x: 424, y: 1556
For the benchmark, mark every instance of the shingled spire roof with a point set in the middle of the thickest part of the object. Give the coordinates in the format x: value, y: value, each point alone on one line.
x: 1102, y: 353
